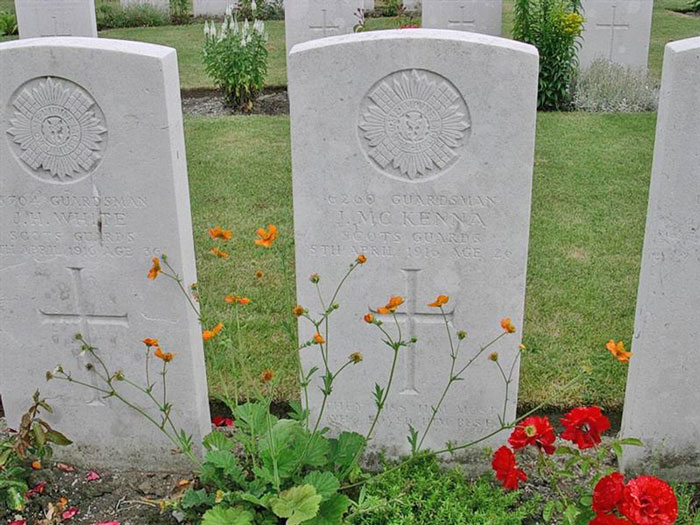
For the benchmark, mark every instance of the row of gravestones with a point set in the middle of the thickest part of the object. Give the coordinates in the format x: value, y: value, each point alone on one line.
x: 423, y: 163
x: 618, y: 30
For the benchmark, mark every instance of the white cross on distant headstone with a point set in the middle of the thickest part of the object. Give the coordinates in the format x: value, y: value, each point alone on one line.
x: 63, y: 30
x: 613, y: 26
x: 411, y: 318
x: 83, y: 318
x: 463, y: 20
x: 325, y: 26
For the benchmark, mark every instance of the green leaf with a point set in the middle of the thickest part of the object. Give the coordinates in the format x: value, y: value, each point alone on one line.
x: 346, y: 448
x: 317, y: 451
x: 548, y: 512
x: 57, y: 438
x: 197, y: 498
x: 325, y: 483
x: 297, y: 504
x: 15, y: 498
x: 218, y: 441
x: 39, y: 435
x: 226, y: 465
x: 634, y: 442
x: 227, y: 516
x: 331, y: 511
x: 251, y: 418
x: 617, y: 448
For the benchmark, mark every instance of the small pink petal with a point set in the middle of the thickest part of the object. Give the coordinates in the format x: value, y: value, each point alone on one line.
x: 68, y: 514
x: 92, y: 476
x: 18, y: 522
x: 64, y: 467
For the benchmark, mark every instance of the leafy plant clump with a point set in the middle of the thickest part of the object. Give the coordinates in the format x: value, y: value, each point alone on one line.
x: 8, y: 24
x: 260, y: 9
x: 111, y: 16
x: 553, y: 27
x: 235, y: 57
x: 607, y: 87
x: 695, y: 5
x: 179, y: 11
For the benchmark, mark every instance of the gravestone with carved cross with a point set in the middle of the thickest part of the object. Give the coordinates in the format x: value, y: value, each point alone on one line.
x: 42, y: 18
x: 616, y: 30
x: 476, y: 16
x: 407, y: 164
x: 313, y: 19
x: 93, y: 186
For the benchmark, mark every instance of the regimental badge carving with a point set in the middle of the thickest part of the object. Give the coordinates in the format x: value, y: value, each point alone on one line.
x: 414, y: 124
x: 57, y: 130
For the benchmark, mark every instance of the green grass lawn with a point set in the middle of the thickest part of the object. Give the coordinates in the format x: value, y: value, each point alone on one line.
x: 588, y: 217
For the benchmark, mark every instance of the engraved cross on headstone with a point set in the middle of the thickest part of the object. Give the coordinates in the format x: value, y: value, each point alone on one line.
x: 82, y: 317
x: 613, y: 25
x: 412, y: 317
x: 463, y: 21
x: 325, y: 26
x: 58, y: 31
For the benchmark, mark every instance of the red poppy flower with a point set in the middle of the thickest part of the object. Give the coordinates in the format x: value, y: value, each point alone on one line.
x: 649, y: 501
x: 607, y: 494
x: 583, y: 426
x: 533, y: 430
x: 506, y: 469
x: 608, y: 519
x: 221, y: 421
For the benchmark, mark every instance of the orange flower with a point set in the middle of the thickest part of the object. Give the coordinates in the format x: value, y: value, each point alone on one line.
x: 391, y: 306
x: 150, y: 342
x: 165, y: 356
x: 298, y: 310
x: 219, y: 253
x: 440, y: 301
x: 218, y: 233
x: 210, y: 334
x: 267, y: 376
x: 318, y: 339
x: 259, y: 274
x: 369, y: 318
x: 243, y: 301
x: 36, y: 465
x: 355, y: 357
x: 155, y: 270
x: 361, y: 259
x: 618, y: 351
x: 266, y: 237
x: 230, y: 299
x: 508, y: 325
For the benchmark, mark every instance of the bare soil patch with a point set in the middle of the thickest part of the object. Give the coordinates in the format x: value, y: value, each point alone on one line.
x: 210, y: 103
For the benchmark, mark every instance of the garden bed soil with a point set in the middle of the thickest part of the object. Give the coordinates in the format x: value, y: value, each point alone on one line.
x: 210, y: 103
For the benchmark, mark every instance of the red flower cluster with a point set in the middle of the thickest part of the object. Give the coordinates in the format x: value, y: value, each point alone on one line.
x: 506, y: 469
x: 584, y: 425
x: 645, y: 500
x: 536, y: 431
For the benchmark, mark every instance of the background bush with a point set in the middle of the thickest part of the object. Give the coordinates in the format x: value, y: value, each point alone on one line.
x: 179, y: 11
x: 607, y: 87
x: 8, y: 24
x: 695, y: 5
x: 114, y: 15
x: 553, y: 27
x: 264, y: 9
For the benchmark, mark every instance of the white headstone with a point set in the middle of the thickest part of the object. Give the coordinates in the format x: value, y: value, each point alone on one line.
x: 312, y: 19
x: 210, y: 7
x: 426, y: 168
x: 662, y: 403
x: 366, y: 5
x: 37, y: 18
x: 159, y: 4
x: 93, y: 186
x: 477, y: 16
x: 616, y: 30
x: 412, y: 5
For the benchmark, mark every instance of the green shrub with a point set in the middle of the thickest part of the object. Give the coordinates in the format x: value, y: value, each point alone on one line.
x: 179, y: 11
x: 8, y: 24
x: 695, y: 5
x: 390, y: 7
x: 236, y: 59
x: 115, y: 16
x: 607, y: 87
x: 262, y: 10
x: 553, y: 27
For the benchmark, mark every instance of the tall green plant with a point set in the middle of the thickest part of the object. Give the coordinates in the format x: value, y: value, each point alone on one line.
x: 553, y: 26
x: 695, y: 5
x: 179, y: 11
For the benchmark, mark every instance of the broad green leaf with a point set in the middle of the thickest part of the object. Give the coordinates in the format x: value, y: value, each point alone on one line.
x: 55, y: 437
x: 39, y: 434
x: 331, y: 511
x: 346, y: 448
x: 227, y: 516
x: 297, y: 504
x: 218, y: 441
x: 197, y: 498
x: 634, y: 442
x: 325, y: 483
x: 317, y: 451
x: 225, y: 462
x: 251, y: 418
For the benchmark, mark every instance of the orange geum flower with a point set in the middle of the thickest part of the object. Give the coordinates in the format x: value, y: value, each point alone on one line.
x: 259, y: 274
x: 267, y: 237
x: 155, y: 270
x: 440, y: 301
x: 165, y: 356
x: 391, y: 306
x: 298, y: 310
x: 508, y: 325
x: 618, y: 351
x: 231, y: 299
x: 243, y: 301
x: 36, y: 465
x: 355, y: 357
x: 318, y: 339
x: 150, y: 342
x: 210, y: 334
x: 369, y: 318
x: 361, y: 259
x: 267, y: 376
x: 219, y: 233
x: 219, y: 253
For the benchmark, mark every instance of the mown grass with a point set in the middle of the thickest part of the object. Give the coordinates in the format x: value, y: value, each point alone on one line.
x: 588, y: 214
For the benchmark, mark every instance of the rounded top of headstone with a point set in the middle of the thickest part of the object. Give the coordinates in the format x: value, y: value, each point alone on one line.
x: 416, y: 34
x: 104, y: 44
x: 687, y: 44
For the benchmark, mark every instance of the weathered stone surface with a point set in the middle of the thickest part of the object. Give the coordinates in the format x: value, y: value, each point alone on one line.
x: 616, y: 30
x: 313, y: 19
x: 477, y: 16
x: 662, y: 403
x: 93, y: 186
x: 37, y: 18
x: 210, y: 7
x: 426, y: 168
